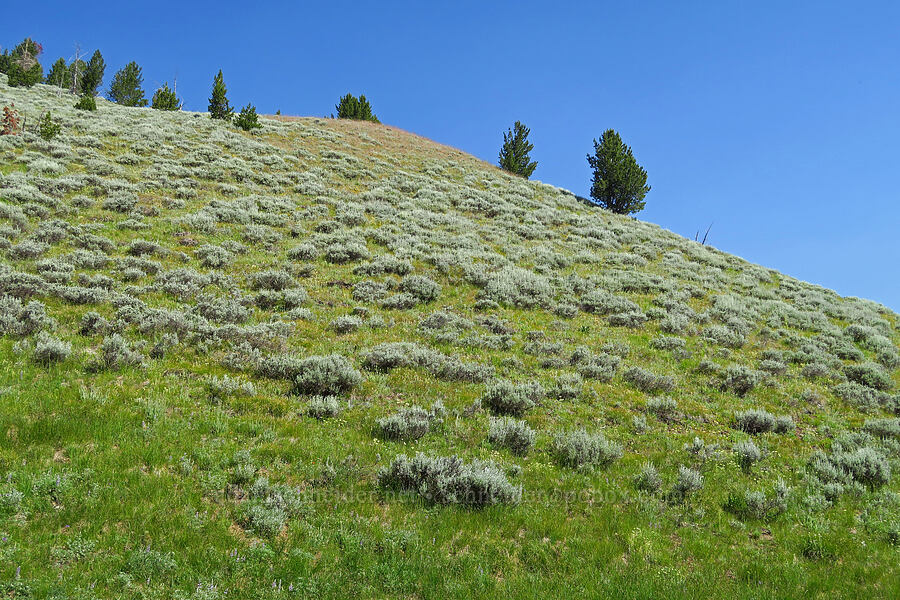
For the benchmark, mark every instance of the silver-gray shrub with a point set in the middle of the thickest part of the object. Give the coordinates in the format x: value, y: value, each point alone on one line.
x: 515, y: 286
x: 346, y: 324
x: 579, y: 449
x: 688, y: 481
x: 649, y: 382
x: 504, y: 397
x: 19, y: 320
x: 665, y: 408
x: 449, y: 480
x: 567, y: 386
x: 648, y: 479
x: 754, y: 420
x: 410, y: 423
x: 747, y: 454
x: 516, y: 435
x: 740, y: 379
x: 50, y: 350
x: 323, y: 407
x: 883, y: 428
x: 213, y: 256
x: 116, y: 353
x: 326, y: 375
x: 421, y: 287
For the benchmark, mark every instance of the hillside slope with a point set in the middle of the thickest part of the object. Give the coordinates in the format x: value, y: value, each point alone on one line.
x: 222, y: 354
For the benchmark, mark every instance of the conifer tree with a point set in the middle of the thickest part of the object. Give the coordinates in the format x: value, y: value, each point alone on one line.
x: 21, y: 65
x: 247, y: 119
x: 125, y: 88
x: 165, y: 99
x: 219, y: 108
x: 58, y: 74
x: 75, y: 74
x: 92, y: 77
x: 351, y: 107
x: 619, y: 183
x: 514, y: 154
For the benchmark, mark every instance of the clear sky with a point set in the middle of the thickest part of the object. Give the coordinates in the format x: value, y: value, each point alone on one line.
x: 777, y: 122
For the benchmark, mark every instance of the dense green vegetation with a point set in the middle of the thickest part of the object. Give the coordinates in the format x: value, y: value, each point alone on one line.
x: 325, y: 358
x: 515, y: 151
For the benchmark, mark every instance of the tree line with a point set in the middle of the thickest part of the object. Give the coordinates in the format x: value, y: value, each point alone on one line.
x: 618, y: 182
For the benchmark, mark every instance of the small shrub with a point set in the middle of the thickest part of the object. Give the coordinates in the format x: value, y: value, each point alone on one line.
x: 747, y: 454
x: 870, y: 375
x: 410, y: 423
x: 326, y: 375
x: 647, y: 381
x: 883, y: 428
x: 323, y: 407
x: 448, y: 480
x: 648, y: 479
x: 758, y: 505
x: 740, y: 379
x: 784, y: 424
x: 116, y: 353
x: 506, y: 398
x: 665, y: 408
x: 567, y: 386
x: 580, y: 449
x: 511, y: 433
x: 667, y: 343
x: 50, y: 350
x: 421, y: 287
x: 688, y: 482
x: 346, y: 324
x: 754, y: 420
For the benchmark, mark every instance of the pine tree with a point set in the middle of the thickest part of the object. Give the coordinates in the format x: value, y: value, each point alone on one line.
x: 92, y: 77
x: 126, y: 86
x: 351, y: 107
x: 619, y: 183
x: 21, y: 66
x: 514, y: 154
x: 59, y: 74
x: 248, y: 118
x: 165, y: 99
x: 219, y: 108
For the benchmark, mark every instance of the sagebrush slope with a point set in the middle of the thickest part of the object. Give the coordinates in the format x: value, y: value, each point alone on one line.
x: 224, y: 352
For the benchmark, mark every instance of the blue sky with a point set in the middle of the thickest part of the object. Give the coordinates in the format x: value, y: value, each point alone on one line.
x: 777, y: 122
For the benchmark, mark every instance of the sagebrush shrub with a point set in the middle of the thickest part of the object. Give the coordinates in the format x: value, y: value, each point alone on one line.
x: 648, y: 479
x: 326, y: 375
x: 116, y: 353
x: 755, y: 420
x: 870, y: 375
x: 323, y: 407
x: 649, y: 382
x: 410, y: 423
x: 449, y: 480
x: 580, y: 449
x: 50, y: 350
x: 504, y: 397
x: 687, y: 482
x: 747, y: 454
x: 420, y: 287
x: 511, y: 433
x: 740, y: 379
x: 665, y: 408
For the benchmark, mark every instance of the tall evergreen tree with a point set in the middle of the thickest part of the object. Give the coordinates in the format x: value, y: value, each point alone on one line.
x: 21, y: 65
x: 219, y: 108
x: 514, y: 154
x: 126, y: 86
x: 92, y: 77
x: 619, y: 183
x: 351, y: 107
x: 165, y: 99
x: 58, y: 74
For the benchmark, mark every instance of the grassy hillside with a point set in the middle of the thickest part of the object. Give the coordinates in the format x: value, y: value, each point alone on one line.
x: 221, y: 355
